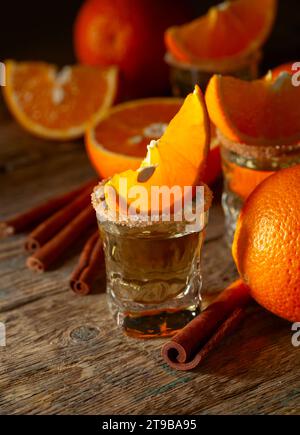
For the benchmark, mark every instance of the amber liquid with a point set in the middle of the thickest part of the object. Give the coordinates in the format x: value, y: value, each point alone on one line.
x: 241, y: 176
x: 153, y: 279
x: 242, y: 181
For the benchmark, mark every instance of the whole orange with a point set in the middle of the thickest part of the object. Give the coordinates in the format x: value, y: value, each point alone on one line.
x: 130, y: 34
x: 266, y: 245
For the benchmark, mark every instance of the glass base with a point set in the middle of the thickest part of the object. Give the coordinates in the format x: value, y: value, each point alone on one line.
x: 156, y: 324
x: 232, y: 205
x: 160, y: 319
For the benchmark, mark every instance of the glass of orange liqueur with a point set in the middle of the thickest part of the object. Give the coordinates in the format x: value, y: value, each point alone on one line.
x: 152, y: 269
x: 245, y: 167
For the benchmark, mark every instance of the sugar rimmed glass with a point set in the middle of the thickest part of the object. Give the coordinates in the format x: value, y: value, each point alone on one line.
x: 244, y: 168
x: 153, y: 270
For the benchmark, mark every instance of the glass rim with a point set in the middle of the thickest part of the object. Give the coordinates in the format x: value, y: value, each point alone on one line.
x: 258, y: 151
x: 136, y: 221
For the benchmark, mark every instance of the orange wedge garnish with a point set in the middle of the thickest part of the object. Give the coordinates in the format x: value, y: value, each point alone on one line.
x: 228, y: 31
x: 261, y: 112
x: 119, y: 140
x: 58, y: 104
x: 178, y: 158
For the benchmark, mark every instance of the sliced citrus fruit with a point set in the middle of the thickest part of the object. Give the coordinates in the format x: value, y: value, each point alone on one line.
x: 261, y: 112
x: 58, y: 104
x: 229, y: 30
x: 119, y: 140
x: 178, y: 158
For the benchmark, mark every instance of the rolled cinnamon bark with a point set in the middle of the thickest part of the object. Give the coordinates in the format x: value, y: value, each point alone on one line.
x: 88, y: 266
x: 55, y: 248
x: 191, y: 345
x: 51, y: 226
x: 35, y: 215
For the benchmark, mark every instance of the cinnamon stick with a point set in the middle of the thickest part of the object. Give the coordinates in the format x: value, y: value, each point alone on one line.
x: 88, y: 265
x: 192, y: 344
x: 54, y: 248
x: 47, y: 229
x: 24, y: 221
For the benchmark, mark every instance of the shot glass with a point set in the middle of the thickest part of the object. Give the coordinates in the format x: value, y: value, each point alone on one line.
x: 184, y: 76
x: 244, y: 168
x: 152, y: 269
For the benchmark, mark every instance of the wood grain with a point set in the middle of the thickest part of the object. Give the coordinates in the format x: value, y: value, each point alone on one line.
x: 64, y: 353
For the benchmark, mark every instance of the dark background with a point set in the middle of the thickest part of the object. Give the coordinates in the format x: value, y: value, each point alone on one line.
x: 42, y: 30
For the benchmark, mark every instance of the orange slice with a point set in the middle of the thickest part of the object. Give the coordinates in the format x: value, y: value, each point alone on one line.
x: 119, y: 141
x: 261, y: 112
x: 58, y: 104
x: 228, y: 30
x: 178, y: 158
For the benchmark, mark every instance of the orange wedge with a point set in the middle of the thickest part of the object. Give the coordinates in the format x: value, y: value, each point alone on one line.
x: 261, y: 112
x: 229, y: 30
x: 57, y: 104
x: 119, y: 140
x: 178, y: 158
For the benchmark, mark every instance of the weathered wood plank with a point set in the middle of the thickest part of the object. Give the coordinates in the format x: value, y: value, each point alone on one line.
x: 64, y: 353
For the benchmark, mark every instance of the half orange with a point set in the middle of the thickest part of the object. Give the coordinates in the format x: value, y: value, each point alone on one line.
x: 57, y: 104
x: 119, y: 141
x: 261, y: 112
x: 230, y: 30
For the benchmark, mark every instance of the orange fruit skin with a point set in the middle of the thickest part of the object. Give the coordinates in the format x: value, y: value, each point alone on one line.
x: 266, y: 246
x: 108, y: 161
x: 129, y: 33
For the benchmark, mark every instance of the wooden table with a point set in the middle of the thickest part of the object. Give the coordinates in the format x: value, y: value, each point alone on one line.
x: 64, y: 353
